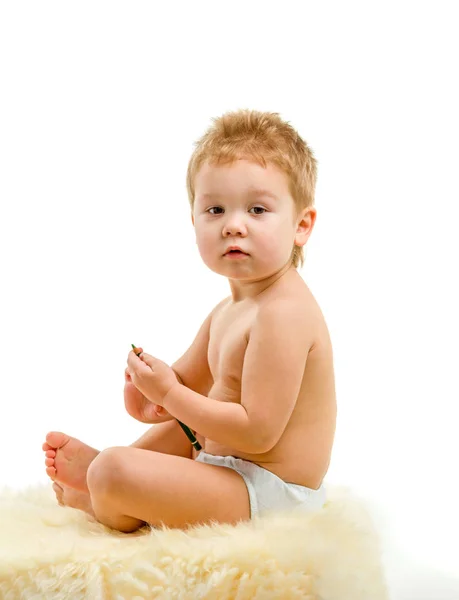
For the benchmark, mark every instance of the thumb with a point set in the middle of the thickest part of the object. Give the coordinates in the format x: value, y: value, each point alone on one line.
x: 147, y: 359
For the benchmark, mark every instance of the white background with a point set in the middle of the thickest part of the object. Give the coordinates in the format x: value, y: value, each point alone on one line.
x: 100, y: 106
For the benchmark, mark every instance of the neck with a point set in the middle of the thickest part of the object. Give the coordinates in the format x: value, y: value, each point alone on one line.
x: 243, y: 290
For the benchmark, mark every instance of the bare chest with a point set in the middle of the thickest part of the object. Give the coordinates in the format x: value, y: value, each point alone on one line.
x: 227, y: 346
x: 302, y: 455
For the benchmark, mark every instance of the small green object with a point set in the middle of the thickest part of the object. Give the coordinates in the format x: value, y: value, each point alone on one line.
x: 134, y: 347
x: 189, y: 434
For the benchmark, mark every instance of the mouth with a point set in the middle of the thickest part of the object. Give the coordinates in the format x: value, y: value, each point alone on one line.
x: 235, y: 253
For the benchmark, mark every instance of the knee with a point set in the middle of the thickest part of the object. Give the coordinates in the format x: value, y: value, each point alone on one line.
x: 106, y: 471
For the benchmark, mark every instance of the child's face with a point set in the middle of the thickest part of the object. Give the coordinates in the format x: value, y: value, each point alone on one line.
x: 228, y: 211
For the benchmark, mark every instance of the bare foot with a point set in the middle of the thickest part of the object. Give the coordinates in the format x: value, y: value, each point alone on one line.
x: 67, y: 461
x: 67, y: 496
x: 70, y: 462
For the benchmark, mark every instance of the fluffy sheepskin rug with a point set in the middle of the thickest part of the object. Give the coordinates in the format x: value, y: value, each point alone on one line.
x: 59, y: 553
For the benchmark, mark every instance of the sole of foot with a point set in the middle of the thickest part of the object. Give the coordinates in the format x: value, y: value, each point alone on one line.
x: 67, y: 460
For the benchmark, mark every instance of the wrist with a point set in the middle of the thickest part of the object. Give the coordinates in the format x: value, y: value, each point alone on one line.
x: 170, y: 393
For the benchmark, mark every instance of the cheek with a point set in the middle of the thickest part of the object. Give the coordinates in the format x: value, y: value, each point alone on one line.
x: 205, y: 241
x: 268, y: 238
x: 274, y: 242
x: 267, y: 250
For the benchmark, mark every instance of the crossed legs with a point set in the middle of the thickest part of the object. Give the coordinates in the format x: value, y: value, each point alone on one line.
x: 127, y: 487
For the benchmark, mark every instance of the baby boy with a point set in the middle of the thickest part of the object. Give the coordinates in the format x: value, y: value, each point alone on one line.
x: 256, y: 385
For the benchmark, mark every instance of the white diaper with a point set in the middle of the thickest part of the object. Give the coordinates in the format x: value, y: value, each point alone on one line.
x: 267, y: 491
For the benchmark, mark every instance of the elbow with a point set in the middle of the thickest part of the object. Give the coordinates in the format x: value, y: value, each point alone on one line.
x: 259, y: 444
x: 256, y: 437
x: 265, y: 447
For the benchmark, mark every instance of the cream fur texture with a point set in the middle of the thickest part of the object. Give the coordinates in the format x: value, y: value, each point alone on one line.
x: 56, y: 553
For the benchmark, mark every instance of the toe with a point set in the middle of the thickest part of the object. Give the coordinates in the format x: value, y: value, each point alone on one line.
x: 51, y: 472
x: 49, y: 462
x: 59, y: 494
x: 57, y: 439
x: 50, y: 453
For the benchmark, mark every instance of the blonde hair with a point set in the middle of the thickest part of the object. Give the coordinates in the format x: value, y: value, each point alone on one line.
x: 261, y: 137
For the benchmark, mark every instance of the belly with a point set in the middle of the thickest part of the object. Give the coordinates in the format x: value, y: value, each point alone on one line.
x: 297, y: 457
x: 303, y: 453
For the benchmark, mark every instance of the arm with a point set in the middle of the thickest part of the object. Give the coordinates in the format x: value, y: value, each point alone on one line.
x: 273, y: 370
x: 225, y: 422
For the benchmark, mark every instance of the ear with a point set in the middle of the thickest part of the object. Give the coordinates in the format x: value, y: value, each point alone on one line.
x: 305, y: 224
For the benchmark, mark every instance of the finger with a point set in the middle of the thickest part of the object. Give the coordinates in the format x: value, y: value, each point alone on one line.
x: 148, y: 359
x: 132, y: 360
x: 138, y: 356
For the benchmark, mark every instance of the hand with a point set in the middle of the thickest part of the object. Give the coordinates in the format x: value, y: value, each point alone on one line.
x: 151, y: 376
x: 139, y: 407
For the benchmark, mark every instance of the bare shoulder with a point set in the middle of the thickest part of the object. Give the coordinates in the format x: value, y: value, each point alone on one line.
x: 295, y: 303
x: 218, y: 308
x: 221, y: 304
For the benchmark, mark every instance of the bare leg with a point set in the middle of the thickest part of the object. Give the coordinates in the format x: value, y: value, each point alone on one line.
x: 131, y: 487
x: 68, y: 459
x: 167, y: 438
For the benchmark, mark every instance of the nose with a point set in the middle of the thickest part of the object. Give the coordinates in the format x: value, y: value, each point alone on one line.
x: 234, y: 225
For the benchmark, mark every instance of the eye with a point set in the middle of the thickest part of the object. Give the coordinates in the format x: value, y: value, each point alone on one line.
x: 219, y: 207
x: 260, y: 207
x: 212, y: 208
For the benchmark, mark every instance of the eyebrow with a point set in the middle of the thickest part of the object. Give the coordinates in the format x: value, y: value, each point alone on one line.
x: 252, y: 192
